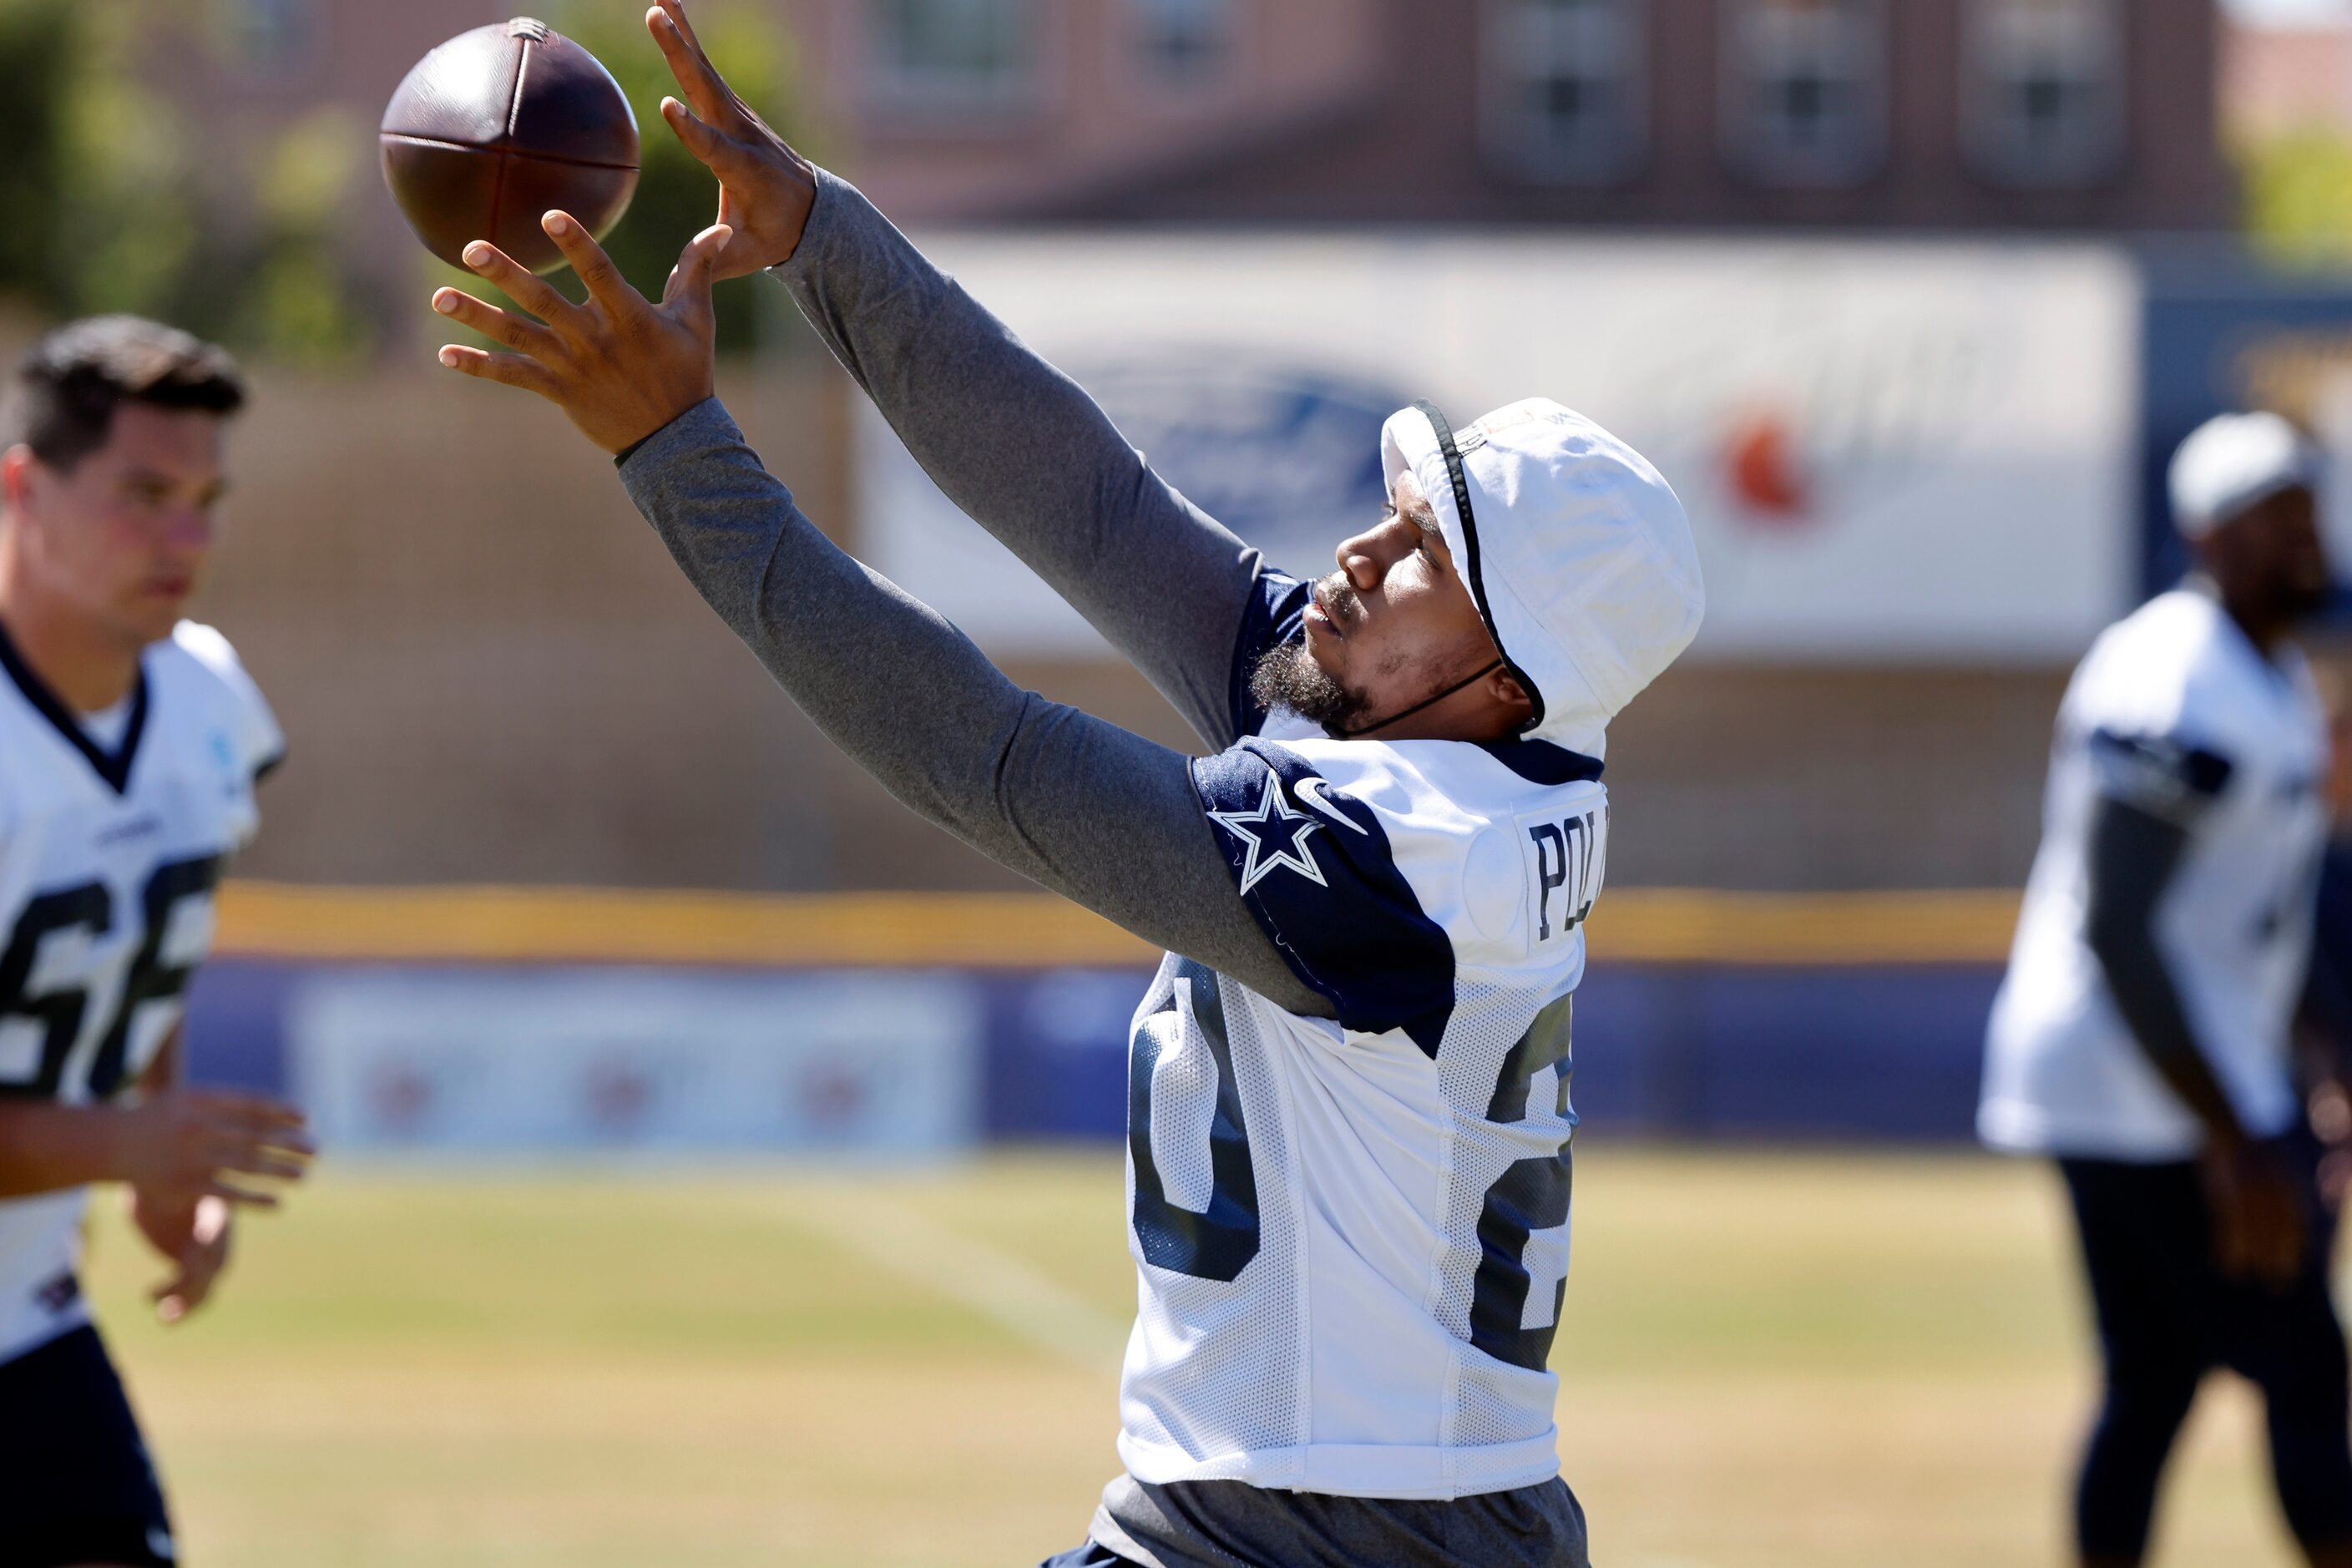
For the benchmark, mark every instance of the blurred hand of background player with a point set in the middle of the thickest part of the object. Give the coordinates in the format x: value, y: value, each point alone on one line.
x: 187, y: 1157
x: 765, y: 189
x: 194, y: 1237
x: 2329, y: 1106
x: 2258, y: 1220
x: 184, y: 1145
x: 622, y: 368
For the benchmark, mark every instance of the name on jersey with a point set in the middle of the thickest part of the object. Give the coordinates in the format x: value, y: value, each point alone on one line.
x: 139, y: 827
x: 1565, y: 855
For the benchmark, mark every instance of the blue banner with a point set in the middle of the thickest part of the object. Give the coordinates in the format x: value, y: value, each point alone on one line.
x: 1876, y: 1052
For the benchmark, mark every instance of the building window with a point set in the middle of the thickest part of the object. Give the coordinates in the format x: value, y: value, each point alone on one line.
x: 2043, y: 104
x: 1804, y: 90
x: 1183, y: 42
x: 954, y: 57
x: 1564, y: 88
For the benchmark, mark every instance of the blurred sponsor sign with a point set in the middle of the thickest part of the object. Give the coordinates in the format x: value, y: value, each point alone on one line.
x: 495, y: 1062
x: 1917, y: 450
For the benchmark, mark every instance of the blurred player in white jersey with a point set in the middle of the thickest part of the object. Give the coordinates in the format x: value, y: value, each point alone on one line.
x: 1348, y: 1103
x: 2143, y: 1037
x: 130, y: 742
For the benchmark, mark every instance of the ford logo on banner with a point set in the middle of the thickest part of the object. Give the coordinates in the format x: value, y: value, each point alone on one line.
x: 1289, y: 458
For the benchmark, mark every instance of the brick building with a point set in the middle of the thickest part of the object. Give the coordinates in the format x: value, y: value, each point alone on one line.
x: 2281, y: 80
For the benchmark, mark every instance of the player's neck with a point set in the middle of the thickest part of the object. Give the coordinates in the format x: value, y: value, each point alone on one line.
x: 90, y: 667
x: 2265, y: 630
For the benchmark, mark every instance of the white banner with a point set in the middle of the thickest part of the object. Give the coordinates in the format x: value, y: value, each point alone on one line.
x: 495, y: 1062
x: 1887, y: 449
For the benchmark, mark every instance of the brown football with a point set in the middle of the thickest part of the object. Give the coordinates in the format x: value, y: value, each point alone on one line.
x: 498, y: 125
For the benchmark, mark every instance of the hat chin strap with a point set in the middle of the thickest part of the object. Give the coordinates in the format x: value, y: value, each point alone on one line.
x: 1429, y: 701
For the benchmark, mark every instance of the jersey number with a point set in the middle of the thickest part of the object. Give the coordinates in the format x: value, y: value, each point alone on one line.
x: 58, y: 1014
x: 1219, y: 1243
x: 1532, y: 1195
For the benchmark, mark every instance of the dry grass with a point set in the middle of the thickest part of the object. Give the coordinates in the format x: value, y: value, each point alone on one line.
x: 1848, y: 1362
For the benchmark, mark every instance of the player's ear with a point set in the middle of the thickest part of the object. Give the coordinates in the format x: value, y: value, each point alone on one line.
x: 1506, y: 688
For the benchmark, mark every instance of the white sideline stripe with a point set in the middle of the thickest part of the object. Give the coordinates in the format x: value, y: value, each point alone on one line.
x: 907, y: 1243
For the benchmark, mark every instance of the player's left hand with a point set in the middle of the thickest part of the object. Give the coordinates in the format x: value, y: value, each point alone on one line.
x: 620, y: 366
x: 195, y: 1238
x: 766, y: 190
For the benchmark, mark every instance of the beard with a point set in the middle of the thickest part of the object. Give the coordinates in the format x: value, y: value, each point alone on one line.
x: 2302, y: 598
x: 1286, y: 676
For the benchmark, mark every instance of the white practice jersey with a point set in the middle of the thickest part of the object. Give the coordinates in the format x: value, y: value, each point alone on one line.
x: 107, y: 860
x: 1351, y: 1237
x: 2176, y: 712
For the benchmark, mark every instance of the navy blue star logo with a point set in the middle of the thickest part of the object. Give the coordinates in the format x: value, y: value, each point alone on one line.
x: 1276, y: 836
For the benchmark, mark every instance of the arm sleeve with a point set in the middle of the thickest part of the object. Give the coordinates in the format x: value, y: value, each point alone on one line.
x: 1101, y: 816
x: 2133, y: 854
x: 1023, y: 450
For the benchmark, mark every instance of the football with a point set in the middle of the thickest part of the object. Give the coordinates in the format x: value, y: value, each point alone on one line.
x: 496, y: 126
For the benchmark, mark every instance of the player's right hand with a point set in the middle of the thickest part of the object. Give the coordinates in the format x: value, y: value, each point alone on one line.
x: 2258, y: 1224
x: 766, y: 190
x: 619, y: 367
x: 186, y: 1144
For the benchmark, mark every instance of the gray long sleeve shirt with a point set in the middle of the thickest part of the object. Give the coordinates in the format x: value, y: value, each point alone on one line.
x: 1091, y: 811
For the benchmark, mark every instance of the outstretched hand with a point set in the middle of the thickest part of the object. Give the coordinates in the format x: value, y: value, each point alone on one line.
x: 620, y: 367
x: 765, y: 189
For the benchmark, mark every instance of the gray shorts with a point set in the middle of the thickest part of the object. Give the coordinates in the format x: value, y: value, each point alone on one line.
x: 1227, y: 1524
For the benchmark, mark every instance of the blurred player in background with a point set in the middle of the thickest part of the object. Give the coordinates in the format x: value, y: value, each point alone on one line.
x: 2143, y: 1035
x: 130, y: 742
x: 1349, y: 1085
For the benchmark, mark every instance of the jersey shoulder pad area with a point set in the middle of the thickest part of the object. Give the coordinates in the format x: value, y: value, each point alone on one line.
x: 208, y: 665
x: 1382, y: 871
x: 2173, y: 663
x: 1323, y: 872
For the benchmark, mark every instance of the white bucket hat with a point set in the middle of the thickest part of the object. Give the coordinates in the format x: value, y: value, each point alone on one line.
x: 2232, y: 461
x: 1575, y: 549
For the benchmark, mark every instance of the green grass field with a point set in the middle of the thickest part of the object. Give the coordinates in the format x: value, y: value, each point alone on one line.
x: 1767, y: 1361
